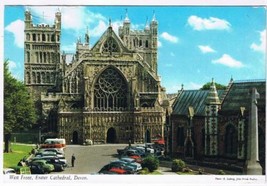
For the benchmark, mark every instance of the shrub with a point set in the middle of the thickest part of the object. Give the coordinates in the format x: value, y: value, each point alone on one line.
x: 178, y: 165
x: 144, y: 171
x: 151, y: 163
x: 221, y: 172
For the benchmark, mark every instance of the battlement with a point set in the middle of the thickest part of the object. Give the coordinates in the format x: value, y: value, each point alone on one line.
x: 51, y: 96
x: 151, y: 109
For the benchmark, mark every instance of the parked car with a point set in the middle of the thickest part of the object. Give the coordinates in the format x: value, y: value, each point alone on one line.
x: 108, y: 167
x: 36, y: 169
x: 127, y: 166
x: 59, y: 153
x: 45, y: 153
x: 21, y: 169
x: 118, y: 170
x: 146, y: 149
x: 58, y: 165
x: 132, y: 162
x: 107, y: 172
x: 9, y: 171
x: 46, y: 166
x: 56, y: 161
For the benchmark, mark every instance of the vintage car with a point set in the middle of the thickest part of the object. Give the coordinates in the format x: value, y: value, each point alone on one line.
x: 43, y: 163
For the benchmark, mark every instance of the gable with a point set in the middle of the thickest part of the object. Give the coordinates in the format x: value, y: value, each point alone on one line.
x: 108, y: 43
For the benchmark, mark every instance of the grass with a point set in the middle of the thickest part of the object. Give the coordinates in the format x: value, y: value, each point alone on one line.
x: 18, y: 152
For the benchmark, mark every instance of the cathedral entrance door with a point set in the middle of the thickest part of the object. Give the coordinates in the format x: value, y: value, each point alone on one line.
x: 111, y: 135
x: 75, y: 137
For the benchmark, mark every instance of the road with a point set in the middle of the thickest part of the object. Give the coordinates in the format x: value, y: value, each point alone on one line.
x: 90, y: 159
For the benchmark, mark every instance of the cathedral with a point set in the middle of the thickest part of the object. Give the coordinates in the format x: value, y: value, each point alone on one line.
x: 108, y: 93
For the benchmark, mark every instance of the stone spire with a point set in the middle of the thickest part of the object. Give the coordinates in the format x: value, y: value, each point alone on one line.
x: 126, y: 19
x: 213, y: 98
x: 154, y: 17
x: 147, y: 25
x: 87, y: 36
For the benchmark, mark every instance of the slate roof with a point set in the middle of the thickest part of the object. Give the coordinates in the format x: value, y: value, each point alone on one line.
x: 234, y: 97
x: 194, y: 98
x: 239, y: 95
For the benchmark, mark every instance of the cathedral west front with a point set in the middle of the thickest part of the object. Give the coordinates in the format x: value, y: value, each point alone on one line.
x: 108, y: 93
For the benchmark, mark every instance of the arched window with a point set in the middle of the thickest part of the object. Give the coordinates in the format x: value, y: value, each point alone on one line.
x: 28, y: 57
x: 38, y: 77
x: 48, y: 77
x: 33, y: 77
x: 230, y: 143
x: 28, y: 37
x: 146, y: 43
x: 203, y: 138
x: 180, y: 136
x: 140, y: 43
x: 110, y: 90
x: 110, y: 45
x: 43, y: 37
x: 28, y: 78
x: 53, y: 37
x: 34, y: 37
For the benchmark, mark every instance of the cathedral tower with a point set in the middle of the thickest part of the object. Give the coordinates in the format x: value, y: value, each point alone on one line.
x: 41, y: 55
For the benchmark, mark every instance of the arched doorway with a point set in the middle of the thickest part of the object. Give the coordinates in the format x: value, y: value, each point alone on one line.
x: 147, y: 137
x: 75, y: 137
x: 111, y: 135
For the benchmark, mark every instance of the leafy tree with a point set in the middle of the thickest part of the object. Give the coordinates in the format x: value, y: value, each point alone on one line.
x: 19, y: 112
x: 217, y: 85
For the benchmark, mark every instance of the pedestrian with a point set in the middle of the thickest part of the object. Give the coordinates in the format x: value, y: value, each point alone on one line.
x: 72, y: 160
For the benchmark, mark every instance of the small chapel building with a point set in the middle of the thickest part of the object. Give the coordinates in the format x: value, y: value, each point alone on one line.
x: 212, y: 125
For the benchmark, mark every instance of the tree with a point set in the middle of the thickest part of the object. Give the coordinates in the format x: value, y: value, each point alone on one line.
x: 217, y: 85
x: 19, y: 112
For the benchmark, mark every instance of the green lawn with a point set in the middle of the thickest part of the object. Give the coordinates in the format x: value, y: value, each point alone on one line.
x: 18, y: 152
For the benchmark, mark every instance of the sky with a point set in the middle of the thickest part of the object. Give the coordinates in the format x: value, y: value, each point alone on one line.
x: 195, y: 43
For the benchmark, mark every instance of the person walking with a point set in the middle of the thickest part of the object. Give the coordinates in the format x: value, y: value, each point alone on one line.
x: 73, y: 160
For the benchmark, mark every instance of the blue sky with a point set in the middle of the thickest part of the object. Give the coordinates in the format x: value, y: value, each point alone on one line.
x: 195, y: 43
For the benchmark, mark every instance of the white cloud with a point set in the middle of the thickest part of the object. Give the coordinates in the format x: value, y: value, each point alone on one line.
x: 75, y: 18
x: 16, y: 28
x: 193, y: 86
x: 228, y: 61
x: 159, y: 44
x: 99, y: 29
x: 168, y: 65
x: 206, y: 49
x: 169, y: 37
x: 262, y: 46
x: 211, y: 23
x: 69, y: 48
x: 11, y: 64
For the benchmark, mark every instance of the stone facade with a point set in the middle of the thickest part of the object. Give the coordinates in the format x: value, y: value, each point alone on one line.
x: 109, y: 93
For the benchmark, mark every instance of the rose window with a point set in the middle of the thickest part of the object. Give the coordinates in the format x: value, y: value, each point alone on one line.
x: 110, y: 90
